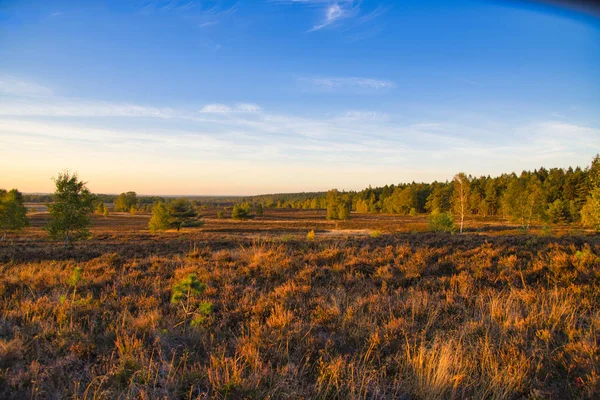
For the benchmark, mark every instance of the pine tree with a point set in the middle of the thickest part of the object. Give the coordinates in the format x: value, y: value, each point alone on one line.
x: 72, y: 203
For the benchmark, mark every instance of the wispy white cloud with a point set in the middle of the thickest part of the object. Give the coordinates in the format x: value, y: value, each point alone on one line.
x: 207, y: 24
x: 333, y: 13
x: 390, y: 148
x: 346, y: 83
x: 60, y: 107
x: 200, y: 13
x: 337, y: 13
x: 226, y: 109
x: 216, y: 109
x: 365, y: 115
x: 247, y: 107
x: 14, y: 86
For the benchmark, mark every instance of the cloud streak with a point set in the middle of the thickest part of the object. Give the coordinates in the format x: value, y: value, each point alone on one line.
x: 349, y: 13
x: 226, y: 109
x: 333, y: 84
x: 14, y: 86
x: 245, y: 139
x: 333, y: 13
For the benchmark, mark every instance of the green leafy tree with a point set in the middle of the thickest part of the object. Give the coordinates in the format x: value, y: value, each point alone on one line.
x: 401, y: 201
x: 524, y: 200
x: 491, y: 202
x: 259, y: 210
x: 160, y: 220
x: 126, y: 201
x: 69, y: 212
x: 558, y: 211
x: 590, y: 212
x: 333, y: 201
x: 338, y: 205
x: 343, y: 211
x: 13, y: 213
x: 439, y: 198
x: 362, y: 206
x: 100, y: 208
x: 241, y: 212
x: 441, y: 221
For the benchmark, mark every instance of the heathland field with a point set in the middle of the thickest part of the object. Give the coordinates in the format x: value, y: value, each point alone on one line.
x: 372, y: 307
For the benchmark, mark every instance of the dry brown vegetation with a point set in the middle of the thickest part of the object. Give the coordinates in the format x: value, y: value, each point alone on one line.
x: 405, y: 314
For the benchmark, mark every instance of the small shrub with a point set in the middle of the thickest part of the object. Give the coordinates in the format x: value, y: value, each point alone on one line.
x: 202, y: 312
x: 187, y: 288
x: 441, y: 221
x: 375, y: 234
x: 241, y: 212
x: 310, y: 236
x: 184, y: 293
x: 193, y: 224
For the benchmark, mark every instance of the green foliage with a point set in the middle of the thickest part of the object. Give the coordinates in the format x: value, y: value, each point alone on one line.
x: 106, y: 212
x: 590, y: 213
x: 439, y: 197
x: 401, y: 201
x: 375, y: 234
x: 241, y: 212
x: 187, y: 288
x: 184, y: 292
x: 524, y: 201
x: 338, y: 205
x: 160, y: 219
x: 204, y: 309
x: 259, y: 210
x: 182, y: 214
x: 100, y: 208
x: 441, y: 221
x: 13, y: 213
x: 362, y: 206
x: 558, y: 212
x: 126, y: 201
x: 220, y: 215
x: 75, y: 277
x: 69, y: 212
x: 343, y: 211
x: 195, y: 223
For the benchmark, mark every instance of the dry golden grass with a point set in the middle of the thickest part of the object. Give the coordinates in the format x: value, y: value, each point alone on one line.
x: 400, y: 315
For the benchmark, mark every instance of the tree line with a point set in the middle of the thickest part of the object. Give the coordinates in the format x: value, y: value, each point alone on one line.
x: 554, y: 195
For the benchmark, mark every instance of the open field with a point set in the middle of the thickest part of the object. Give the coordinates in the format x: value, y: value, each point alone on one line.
x: 375, y: 307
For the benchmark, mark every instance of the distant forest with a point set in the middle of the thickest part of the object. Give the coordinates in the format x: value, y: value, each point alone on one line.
x: 554, y: 195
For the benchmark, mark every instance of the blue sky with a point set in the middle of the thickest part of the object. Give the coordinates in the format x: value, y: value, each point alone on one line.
x: 225, y: 97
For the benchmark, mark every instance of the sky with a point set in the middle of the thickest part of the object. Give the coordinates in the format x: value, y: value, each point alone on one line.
x: 198, y: 97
